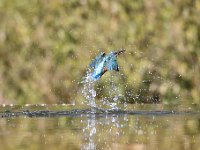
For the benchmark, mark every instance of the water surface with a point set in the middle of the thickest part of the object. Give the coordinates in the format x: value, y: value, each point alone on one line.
x: 74, y: 127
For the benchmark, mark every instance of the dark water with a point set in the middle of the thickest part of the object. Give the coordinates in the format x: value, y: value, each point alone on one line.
x: 140, y: 127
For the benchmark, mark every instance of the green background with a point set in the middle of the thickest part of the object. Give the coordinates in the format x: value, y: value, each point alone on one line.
x: 46, y: 46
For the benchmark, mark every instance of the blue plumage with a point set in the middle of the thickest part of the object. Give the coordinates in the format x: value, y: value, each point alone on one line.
x: 103, y: 63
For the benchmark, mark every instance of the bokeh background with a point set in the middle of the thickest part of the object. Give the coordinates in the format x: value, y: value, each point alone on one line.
x: 46, y: 46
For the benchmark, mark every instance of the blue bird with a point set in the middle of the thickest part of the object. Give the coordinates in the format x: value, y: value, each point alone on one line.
x: 103, y: 63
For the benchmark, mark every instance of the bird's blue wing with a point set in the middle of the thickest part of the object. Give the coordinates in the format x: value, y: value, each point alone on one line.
x: 112, y: 64
x: 97, y: 60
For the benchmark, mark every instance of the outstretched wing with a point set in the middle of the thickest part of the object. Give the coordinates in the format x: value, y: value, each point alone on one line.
x: 97, y: 60
x: 112, y: 65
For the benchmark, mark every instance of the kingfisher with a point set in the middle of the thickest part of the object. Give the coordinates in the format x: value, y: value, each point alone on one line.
x: 103, y: 63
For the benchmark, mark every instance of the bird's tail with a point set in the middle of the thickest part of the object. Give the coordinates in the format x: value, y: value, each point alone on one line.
x: 120, y: 51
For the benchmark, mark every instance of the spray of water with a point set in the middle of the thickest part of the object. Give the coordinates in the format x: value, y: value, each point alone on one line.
x: 88, y: 89
x: 114, y: 93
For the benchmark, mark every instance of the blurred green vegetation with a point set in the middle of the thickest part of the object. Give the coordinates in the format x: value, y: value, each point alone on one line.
x: 46, y: 46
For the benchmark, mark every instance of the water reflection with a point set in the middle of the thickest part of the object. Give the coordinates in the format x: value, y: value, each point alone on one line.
x: 110, y: 126
x: 89, y: 132
x: 102, y: 131
x: 141, y: 132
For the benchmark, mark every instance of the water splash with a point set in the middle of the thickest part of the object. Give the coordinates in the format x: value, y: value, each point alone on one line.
x: 114, y: 92
x: 88, y: 89
x: 112, y: 87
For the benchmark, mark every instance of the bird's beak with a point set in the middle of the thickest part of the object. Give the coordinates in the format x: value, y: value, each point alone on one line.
x: 120, y: 51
